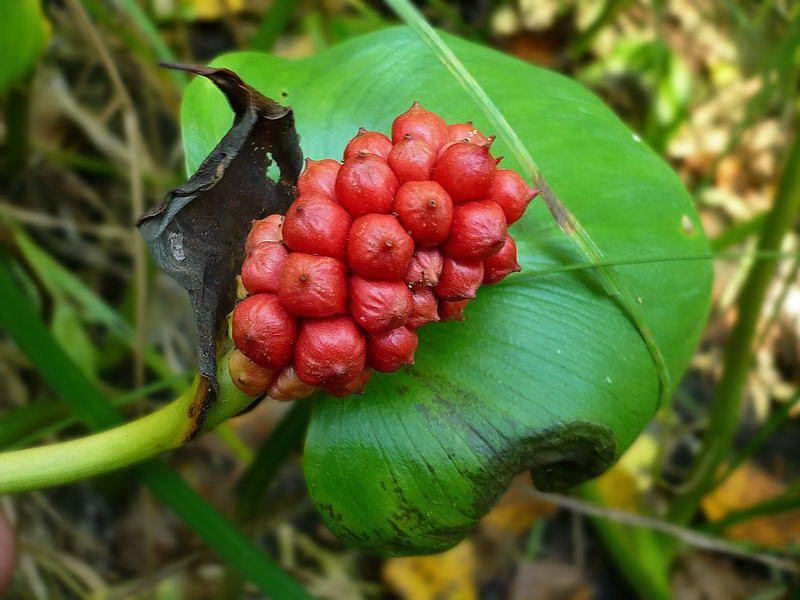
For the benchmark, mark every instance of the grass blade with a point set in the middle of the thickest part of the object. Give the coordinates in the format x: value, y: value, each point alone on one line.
x: 254, y: 483
x: 24, y: 326
x: 572, y: 228
x: 272, y: 24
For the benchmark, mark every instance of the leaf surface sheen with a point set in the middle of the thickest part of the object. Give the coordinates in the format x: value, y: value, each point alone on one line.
x: 547, y: 374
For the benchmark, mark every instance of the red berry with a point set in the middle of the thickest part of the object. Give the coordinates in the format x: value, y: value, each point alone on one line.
x: 425, y: 210
x: 366, y: 185
x: 452, y: 311
x: 388, y: 351
x: 371, y: 142
x: 502, y: 264
x: 465, y: 171
x: 511, y: 192
x: 460, y: 279
x: 317, y: 225
x: 420, y: 123
x: 329, y: 352
x: 425, y: 269
x: 424, y: 311
x: 287, y: 386
x: 264, y: 331
x: 354, y: 387
x: 459, y: 132
x: 262, y: 267
x: 313, y: 286
x: 478, y: 231
x: 412, y: 159
x: 319, y: 177
x: 379, y: 305
x: 378, y: 247
x: 246, y: 375
x: 265, y: 230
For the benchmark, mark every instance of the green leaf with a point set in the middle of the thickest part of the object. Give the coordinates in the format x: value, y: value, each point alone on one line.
x: 547, y: 374
x: 68, y: 330
x: 23, y: 32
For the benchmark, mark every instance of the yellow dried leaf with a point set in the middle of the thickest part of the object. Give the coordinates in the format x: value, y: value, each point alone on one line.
x: 746, y: 486
x: 446, y: 576
x: 210, y: 10
x: 621, y: 486
x: 516, y: 510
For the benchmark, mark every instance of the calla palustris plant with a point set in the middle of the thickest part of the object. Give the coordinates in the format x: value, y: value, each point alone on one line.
x: 546, y: 374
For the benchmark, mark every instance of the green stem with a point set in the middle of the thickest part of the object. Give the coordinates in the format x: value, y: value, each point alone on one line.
x: 739, y: 352
x: 16, y: 118
x: 133, y: 442
x: 637, y: 552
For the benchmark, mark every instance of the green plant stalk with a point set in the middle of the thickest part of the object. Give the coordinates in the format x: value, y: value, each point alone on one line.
x: 778, y: 418
x: 252, y: 487
x: 729, y: 394
x: 646, y: 569
x: 22, y: 426
x: 608, y: 276
x: 122, y: 446
x: 16, y: 118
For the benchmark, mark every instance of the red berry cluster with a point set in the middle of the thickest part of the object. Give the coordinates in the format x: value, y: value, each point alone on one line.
x: 402, y: 233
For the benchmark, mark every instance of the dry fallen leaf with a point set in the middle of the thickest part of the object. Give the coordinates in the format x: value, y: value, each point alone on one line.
x: 550, y: 580
x: 516, y: 511
x: 446, y: 576
x: 701, y: 576
x: 746, y: 486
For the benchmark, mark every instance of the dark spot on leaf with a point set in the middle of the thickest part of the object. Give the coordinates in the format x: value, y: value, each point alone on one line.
x: 197, y: 235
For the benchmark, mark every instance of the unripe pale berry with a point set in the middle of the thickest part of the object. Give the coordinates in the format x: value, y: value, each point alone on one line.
x: 371, y: 142
x: 420, y: 123
x: 452, y: 311
x: 478, y: 231
x: 313, y: 286
x: 366, y: 185
x: 379, y: 248
x: 412, y: 159
x: 459, y: 280
x: 265, y: 230
x: 511, y: 192
x: 388, y: 351
x: 287, y: 386
x: 264, y: 331
x: 329, y: 352
x: 425, y: 269
x: 459, y: 132
x: 465, y: 171
x: 315, y: 224
x: 502, y: 264
x: 247, y: 376
x: 425, y: 210
x: 424, y: 309
x: 241, y: 291
x: 379, y: 305
x: 319, y: 177
x: 262, y: 267
x: 354, y: 387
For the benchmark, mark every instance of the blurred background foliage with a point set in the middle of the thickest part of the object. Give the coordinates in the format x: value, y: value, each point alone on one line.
x: 90, y: 139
